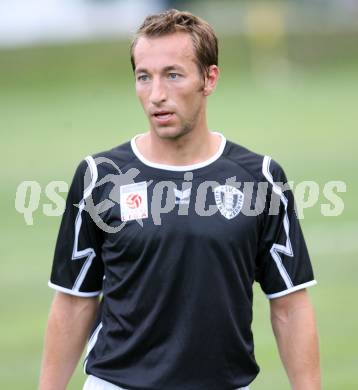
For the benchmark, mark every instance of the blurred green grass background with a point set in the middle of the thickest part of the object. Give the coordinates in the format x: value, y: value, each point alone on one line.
x: 297, y: 103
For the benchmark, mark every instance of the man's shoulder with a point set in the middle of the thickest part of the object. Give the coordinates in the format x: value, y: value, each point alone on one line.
x: 110, y: 161
x: 260, y: 166
x: 121, y: 154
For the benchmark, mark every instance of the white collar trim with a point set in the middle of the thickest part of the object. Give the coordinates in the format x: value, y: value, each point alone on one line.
x: 191, y: 167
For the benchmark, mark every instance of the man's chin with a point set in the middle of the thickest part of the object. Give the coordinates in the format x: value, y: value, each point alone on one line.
x: 170, y: 133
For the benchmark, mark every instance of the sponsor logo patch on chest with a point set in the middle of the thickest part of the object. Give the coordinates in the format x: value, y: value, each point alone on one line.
x: 182, y: 197
x: 229, y: 200
x: 134, y: 201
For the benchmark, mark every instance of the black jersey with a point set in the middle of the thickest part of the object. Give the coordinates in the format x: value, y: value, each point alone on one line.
x: 174, y: 251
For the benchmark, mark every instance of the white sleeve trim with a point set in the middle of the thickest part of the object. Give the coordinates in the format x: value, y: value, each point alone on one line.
x: 73, y: 292
x: 292, y: 289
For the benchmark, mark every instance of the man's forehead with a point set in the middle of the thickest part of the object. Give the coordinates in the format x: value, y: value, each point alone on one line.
x: 177, y: 47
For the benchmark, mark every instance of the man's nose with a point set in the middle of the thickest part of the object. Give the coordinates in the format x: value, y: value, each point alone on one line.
x: 158, y: 92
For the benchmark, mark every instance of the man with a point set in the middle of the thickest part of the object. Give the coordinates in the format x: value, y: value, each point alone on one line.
x: 164, y: 229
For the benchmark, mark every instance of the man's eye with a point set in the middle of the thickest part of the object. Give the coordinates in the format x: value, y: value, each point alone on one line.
x: 173, y: 76
x: 143, y: 77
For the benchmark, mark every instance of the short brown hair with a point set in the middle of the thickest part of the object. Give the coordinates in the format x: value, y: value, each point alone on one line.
x: 202, y: 34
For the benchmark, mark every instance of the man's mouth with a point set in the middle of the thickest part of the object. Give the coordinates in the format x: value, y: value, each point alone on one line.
x: 163, y: 116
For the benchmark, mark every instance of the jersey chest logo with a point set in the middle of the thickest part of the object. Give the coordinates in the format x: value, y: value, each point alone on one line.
x: 133, y: 201
x: 229, y: 200
x: 182, y: 197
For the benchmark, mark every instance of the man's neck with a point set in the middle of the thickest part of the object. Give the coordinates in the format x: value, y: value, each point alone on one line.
x: 191, y: 148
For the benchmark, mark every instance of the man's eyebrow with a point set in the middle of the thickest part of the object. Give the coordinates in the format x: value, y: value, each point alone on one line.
x: 173, y: 67
x: 141, y: 70
x: 165, y: 69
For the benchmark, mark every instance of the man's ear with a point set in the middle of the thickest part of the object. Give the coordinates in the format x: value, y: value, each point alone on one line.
x: 211, y: 79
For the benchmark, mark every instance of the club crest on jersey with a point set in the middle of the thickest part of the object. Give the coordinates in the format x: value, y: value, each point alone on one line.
x: 229, y: 200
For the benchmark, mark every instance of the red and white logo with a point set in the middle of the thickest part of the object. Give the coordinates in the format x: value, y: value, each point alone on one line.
x: 133, y: 201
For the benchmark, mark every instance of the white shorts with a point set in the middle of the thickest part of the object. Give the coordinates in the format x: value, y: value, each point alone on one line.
x: 94, y: 383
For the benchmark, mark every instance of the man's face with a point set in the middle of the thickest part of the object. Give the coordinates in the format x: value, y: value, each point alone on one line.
x: 169, y: 85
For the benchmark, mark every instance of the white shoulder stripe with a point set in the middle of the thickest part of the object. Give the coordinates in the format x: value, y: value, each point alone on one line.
x: 276, y: 248
x: 94, y: 176
x: 88, y: 252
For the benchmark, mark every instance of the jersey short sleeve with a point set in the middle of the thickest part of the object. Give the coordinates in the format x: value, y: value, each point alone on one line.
x: 77, y: 265
x: 283, y: 264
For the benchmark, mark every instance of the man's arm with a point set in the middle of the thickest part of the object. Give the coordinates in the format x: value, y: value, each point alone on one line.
x: 294, y: 326
x: 69, y: 324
